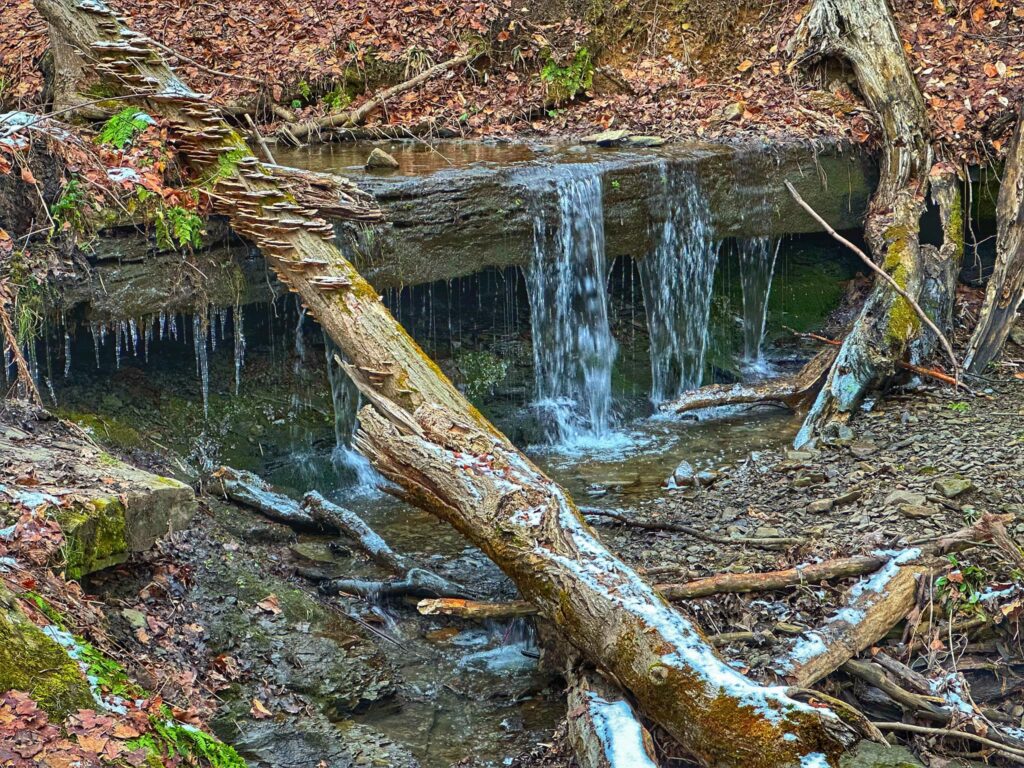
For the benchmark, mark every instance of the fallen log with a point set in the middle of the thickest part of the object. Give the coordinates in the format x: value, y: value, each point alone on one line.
x: 862, y: 33
x: 355, y: 117
x: 250, y: 489
x: 794, y: 392
x: 603, y: 729
x: 1005, y: 292
x: 422, y: 434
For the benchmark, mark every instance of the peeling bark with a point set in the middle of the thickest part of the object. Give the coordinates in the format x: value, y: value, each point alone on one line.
x: 1005, y: 292
x: 862, y: 33
x: 423, y: 435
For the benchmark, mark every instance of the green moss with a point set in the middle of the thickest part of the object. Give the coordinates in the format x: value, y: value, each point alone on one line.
x: 564, y: 83
x: 903, y: 322
x: 32, y: 662
x: 95, y: 535
x: 481, y: 372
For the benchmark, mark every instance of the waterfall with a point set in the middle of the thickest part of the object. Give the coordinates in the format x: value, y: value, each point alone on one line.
x: 345, y: 397
x: 757, y: 257
x: 573, y: 349
x: 676, y: 278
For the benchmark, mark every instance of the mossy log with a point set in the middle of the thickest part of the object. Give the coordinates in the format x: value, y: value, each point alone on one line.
x: 862, y: 33
x: 1005, y: 292
x: 422, y: 434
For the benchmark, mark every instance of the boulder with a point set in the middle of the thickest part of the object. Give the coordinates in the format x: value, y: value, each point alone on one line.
x: 381, y: 160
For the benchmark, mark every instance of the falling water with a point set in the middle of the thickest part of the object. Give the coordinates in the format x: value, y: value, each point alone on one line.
x: 573, y: 349
x: 345, y: 397
x: 200, y: 326
x: 676, y: 278
x: 757, y: 257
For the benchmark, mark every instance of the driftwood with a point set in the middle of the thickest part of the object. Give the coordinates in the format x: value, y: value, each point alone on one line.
x: 250, y: 489
x: 1005, y: 292
x: 794, y: 392
x: 862, y: 33
x: 302, y: 130
x: 603, y: 729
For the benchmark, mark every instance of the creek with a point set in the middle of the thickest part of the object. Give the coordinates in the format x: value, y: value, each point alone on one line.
x: 568, y: 342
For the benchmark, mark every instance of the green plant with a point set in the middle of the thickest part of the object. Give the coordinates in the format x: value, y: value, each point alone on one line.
x: 305, y: 90
x: 336, y: 99
x: 121, y: 130
x: 481, y: 372
x: 29, y: 296
x: 564, y: 83
x: 69, y: 210
x: 959, y: 407
x: 178, y: 228
x: 616, y: 185
x: 960, y: 588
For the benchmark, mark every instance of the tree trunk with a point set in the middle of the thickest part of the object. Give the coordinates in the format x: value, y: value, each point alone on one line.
x: 423, y: 435
x: 603, y: 729
x: 862, y: 33
x: 1005, y: 291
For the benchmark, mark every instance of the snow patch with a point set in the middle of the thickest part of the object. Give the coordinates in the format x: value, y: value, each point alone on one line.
x: 620, y: 733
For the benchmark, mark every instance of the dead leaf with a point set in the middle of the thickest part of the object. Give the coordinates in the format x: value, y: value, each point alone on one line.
x: 258, y: 711
x: 270, y: 604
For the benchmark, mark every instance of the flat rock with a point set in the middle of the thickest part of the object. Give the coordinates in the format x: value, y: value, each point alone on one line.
x: 820, y: 505
x: 645, y: 141
x: 952, y: 486
x: 903, y: 498
x: 917, y: 510
x: 606, y: 138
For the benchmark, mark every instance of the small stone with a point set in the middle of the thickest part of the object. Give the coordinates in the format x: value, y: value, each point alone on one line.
x: 1017, y: 334
x: 683, y: 476
x: 767, y: 532
x: 917, y: 511
x: 862, y: 448
x: 849, y: 497
x: 819, y: 506
x: 606, y: 138
x: 706, y: 477
x: 136, y: 619
x: 953, y: 486
x: 381, y: 160
x: 901, y: 498
x: 799, y: 456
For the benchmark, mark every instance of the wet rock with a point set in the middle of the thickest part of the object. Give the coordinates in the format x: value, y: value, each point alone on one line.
x: 606, y: 138
x: 381, y: 161
x: 917, y: 510
x: 683, y: 476
x: 904, y: 498
x: 645, y: 141
x: 707, y: 476
x: 953, y: 486
x: 820, y: 505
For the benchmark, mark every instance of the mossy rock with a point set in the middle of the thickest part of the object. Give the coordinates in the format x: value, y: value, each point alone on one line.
x: 33, y: 662
x: 870, y: 755
x: 94, y: 535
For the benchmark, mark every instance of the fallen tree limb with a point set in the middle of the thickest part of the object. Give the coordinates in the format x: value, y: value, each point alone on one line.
x: 422, y: 434
x: 355, y: 117
x: 330, y: 515
x: 250, y: 489
x: 875, y: 606
x: 604, y: 731
x: 915, y: 704
x: 734, y: 583
x: 793, y: 392
x: 417, y: 582
x: 1005, y: 292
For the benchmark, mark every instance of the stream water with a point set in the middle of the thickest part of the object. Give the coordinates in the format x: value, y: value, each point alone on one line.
x: 566, y: 355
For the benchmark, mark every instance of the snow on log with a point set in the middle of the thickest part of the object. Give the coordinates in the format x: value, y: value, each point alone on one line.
x: 423, y: 435
x: 603, y: 728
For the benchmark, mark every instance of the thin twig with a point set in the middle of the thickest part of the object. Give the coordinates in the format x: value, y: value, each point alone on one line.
x: 927, y: 730
x: 883, y: 274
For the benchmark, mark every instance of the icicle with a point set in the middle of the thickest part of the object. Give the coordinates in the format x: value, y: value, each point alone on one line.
x: 239, y: 321
x: 117, y: 344
x: 163, y: 325
x: 173, y: 322
x: 67, y: 354
x: 202, y: 363
x: 147, y: 336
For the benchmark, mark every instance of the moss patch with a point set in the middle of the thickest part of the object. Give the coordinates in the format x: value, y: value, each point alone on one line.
x: 95, y: 534
x: 32, y: 662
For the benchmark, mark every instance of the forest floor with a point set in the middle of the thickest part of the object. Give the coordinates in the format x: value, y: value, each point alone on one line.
x: 713, y: 70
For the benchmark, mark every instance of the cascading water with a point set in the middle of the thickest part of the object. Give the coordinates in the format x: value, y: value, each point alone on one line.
x: 757, y: 257
x: 346, y: 400
x: 677, y: 277
x: 573, y: 348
